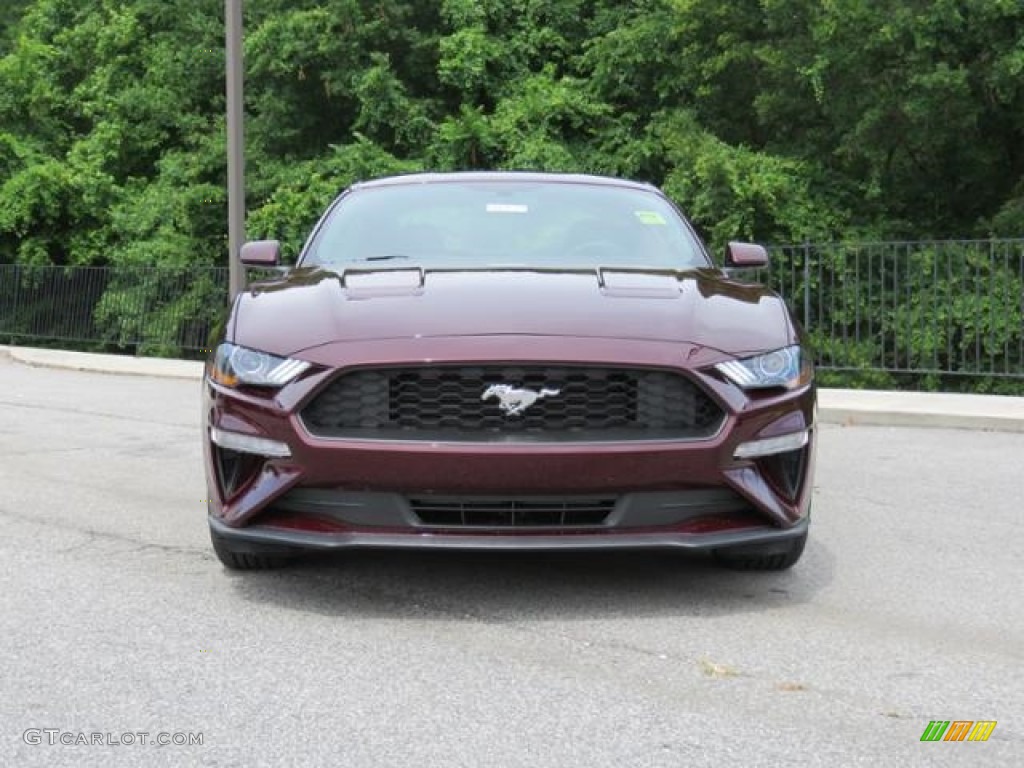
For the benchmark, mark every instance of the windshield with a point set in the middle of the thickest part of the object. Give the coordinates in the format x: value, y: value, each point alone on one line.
x: 483, y: 224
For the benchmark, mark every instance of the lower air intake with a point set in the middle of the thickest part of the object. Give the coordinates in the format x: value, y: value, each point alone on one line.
x: 513, y: 513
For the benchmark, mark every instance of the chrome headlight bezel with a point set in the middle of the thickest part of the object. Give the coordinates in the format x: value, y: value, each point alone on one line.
x: 786, y: 367
x: 234, y: 365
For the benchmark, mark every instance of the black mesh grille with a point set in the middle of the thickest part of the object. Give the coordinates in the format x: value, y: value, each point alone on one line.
x: 465, y: 403
x: 512, y: 513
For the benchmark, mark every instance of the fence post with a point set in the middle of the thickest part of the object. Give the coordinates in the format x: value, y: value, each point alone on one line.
x: 807, y: 285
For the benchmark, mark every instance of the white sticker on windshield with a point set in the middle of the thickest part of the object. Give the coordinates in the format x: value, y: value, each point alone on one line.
x: 507, y: 208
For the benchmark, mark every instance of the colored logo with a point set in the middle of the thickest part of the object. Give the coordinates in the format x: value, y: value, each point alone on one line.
x: 958, y: 730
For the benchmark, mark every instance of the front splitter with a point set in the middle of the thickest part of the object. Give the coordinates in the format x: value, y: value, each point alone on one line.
x: 267, y: 537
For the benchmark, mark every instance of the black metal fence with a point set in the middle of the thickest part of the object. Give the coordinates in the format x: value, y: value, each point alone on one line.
x: 927, y: 310
x: 949, y: 308
x: 144, y: 310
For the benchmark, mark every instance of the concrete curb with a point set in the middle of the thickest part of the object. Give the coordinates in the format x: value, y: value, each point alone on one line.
x: 87, y: 361
x: 921, y: 409
x: 835, y: 406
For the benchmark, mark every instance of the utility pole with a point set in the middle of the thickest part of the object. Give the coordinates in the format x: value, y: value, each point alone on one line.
x: 236, y: 145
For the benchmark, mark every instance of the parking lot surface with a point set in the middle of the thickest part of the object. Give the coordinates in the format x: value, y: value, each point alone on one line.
x: 116, y: 618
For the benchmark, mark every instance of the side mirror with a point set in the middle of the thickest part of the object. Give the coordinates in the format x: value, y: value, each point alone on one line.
x: 261, y: 253
x: 745, y: 256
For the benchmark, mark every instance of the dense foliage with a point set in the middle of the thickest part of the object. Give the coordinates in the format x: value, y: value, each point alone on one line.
x: 774, y: 120
x: 781, y: 120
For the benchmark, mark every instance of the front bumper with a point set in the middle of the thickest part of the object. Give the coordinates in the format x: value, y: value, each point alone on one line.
x: 688, y: 494
x: 262, y: 538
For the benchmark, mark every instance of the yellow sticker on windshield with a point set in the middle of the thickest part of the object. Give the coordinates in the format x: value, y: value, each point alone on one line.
x: 650, y: 217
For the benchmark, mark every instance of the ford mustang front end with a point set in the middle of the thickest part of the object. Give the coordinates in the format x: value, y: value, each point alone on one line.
x: 508, y: 361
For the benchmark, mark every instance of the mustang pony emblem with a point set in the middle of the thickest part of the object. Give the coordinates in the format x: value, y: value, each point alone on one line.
x: 514, y: 401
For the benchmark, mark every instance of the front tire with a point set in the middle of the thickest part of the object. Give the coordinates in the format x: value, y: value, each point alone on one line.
x: 246, y: 557
x: 762, y: 557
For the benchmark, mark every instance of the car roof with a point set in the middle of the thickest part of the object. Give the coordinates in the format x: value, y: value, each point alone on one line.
x: 495, y: 176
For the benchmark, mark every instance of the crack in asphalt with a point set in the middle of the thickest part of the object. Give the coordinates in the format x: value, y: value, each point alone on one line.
x: 616, y: 648
x: 101, y: 414
x: 46, y: 451
x: 128, y: 450
x: 95, y: 533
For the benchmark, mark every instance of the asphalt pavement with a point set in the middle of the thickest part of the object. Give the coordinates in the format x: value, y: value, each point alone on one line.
x: 116, y: 619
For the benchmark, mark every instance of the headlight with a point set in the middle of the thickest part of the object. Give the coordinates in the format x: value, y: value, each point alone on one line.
x: 784, y: 367
x: 240, y: 366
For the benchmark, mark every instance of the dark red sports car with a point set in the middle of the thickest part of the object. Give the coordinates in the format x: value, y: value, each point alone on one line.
x: 508, y: 361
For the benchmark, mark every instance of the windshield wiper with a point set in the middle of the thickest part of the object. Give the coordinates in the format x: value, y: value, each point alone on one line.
x: 387, y: 257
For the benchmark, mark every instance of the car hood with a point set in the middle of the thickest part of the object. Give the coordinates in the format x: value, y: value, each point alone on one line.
x: 311, y: 307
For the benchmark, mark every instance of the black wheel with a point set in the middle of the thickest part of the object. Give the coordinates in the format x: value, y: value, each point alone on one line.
x: 762, y: 557
x: 247, y: 557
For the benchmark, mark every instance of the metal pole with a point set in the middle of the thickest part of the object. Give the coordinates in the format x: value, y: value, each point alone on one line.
x: 236, y: 146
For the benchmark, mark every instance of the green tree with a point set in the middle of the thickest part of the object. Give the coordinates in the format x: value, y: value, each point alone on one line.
x: 768, y: 119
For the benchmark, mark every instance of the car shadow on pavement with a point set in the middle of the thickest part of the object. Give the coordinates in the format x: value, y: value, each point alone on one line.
x: 539, y: 586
